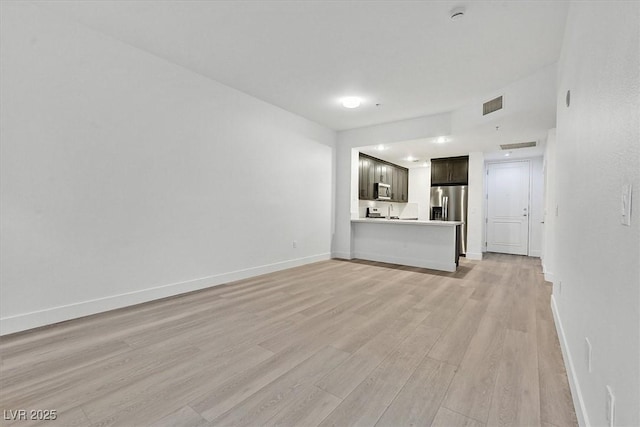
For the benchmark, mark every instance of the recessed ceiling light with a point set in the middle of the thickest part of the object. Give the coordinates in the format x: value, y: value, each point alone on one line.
x: 440, y: 140
x: 507, y: 154
x: 351, y: 102
x: 381, y: 147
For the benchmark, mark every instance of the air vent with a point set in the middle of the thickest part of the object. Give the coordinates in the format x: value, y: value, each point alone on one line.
x: 518, y: 145
x: 491, y: 106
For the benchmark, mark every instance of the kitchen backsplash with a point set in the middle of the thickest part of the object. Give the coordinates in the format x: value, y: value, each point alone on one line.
x: 402, y: 210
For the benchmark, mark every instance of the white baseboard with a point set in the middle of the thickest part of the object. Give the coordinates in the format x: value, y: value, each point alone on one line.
x: 474, y: 256
x: 549, y: 277
x: 341, y: 255
x: 576, y: 393
x: 22, y: 322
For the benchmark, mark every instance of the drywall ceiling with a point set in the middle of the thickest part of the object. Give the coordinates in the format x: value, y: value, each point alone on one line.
x: 303, y: 56
x: 529, y: 112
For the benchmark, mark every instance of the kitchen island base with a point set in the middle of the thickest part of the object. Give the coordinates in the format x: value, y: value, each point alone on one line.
x: 425, y: 244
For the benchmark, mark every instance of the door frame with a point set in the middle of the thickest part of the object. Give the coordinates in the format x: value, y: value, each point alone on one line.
x: 486, y: 200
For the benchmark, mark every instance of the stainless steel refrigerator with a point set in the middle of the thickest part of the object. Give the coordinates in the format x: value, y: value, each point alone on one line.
x: 449, y: 203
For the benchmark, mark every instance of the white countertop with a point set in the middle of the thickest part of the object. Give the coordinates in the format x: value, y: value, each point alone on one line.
x: 408, y: 221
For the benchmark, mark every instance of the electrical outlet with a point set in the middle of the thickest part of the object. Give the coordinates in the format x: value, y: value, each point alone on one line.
x: 611, y: 407
x: 295, y: 243
x: 587, y: 350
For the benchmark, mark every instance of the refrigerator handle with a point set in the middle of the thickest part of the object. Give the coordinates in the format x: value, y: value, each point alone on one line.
x: 445, y: 208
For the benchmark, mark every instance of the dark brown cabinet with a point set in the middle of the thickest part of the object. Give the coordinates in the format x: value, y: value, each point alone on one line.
x: 400, y: 185
x: 403, y: 185
x: 384, y: 172
x: 366, y: 178
x: 439, y: 172
x: 460, y: 171
x: 450, y: 171
x: 372, y: 170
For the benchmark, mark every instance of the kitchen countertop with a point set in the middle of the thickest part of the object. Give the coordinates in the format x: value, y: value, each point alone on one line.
x: 408, y: 221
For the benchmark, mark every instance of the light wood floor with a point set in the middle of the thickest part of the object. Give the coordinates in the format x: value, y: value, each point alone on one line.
x: 332, y: 343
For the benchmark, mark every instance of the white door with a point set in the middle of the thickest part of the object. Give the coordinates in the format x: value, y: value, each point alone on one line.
x: 508, y: 207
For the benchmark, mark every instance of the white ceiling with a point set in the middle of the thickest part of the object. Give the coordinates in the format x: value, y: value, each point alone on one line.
x: 304, y: 55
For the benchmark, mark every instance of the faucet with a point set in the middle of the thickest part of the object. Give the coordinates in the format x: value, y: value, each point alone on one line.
x: 389, y: 209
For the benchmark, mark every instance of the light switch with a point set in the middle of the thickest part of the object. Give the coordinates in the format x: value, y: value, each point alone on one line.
x: 625, y: 207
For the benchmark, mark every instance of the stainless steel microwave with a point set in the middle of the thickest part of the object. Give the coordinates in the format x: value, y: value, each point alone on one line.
x: 381, y: 191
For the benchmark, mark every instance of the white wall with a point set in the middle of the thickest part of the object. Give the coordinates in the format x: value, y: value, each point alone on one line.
x: 526, y: 106
x: 476, y: 206
x: 127, y: 178
x: 598, y: 258
x: 549, y: 227
x: 420, y: 190
x: 536, y: 207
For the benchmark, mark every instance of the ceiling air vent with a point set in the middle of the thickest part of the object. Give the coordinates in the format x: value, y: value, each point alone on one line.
x: 518, y: 145
x: 491, y: 106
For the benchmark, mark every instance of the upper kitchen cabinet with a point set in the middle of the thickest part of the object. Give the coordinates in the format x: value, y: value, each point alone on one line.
x: 372, y: 170
x: 366, y: 177
x: 384, y: 172
x: 400, y: 184
x: 450, y: 171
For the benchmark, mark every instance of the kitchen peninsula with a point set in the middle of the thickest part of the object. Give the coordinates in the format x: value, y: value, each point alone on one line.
x: 426, y: 244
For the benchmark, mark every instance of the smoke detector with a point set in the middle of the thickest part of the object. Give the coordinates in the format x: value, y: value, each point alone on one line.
x: 456, y: 13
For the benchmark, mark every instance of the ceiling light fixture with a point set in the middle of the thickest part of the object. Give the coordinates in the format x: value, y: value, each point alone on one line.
x: 507, y: 154
x: 381, y: 147
x: 351, y: 102
x: 440, y: 140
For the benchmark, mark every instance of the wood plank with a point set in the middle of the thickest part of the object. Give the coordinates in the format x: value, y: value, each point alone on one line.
x: 420, y: 398
x: 68, y: 389
x: 309, y: 408
x: 453, y: 344
x: 447, y: 306
x: 523, y: 313
x: 336, y: 317
x: 447, y: 418
x: 183, y: 417
x: 556, y: 405
x: 223, y: 396
x: 371, y: 326
x: 166, y: 391
x: 347, y: 376
x: 62, y: 360
x: 269, y: 400
x: 472, y: 387
x: 365, y: 404
x: 516, y: 396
